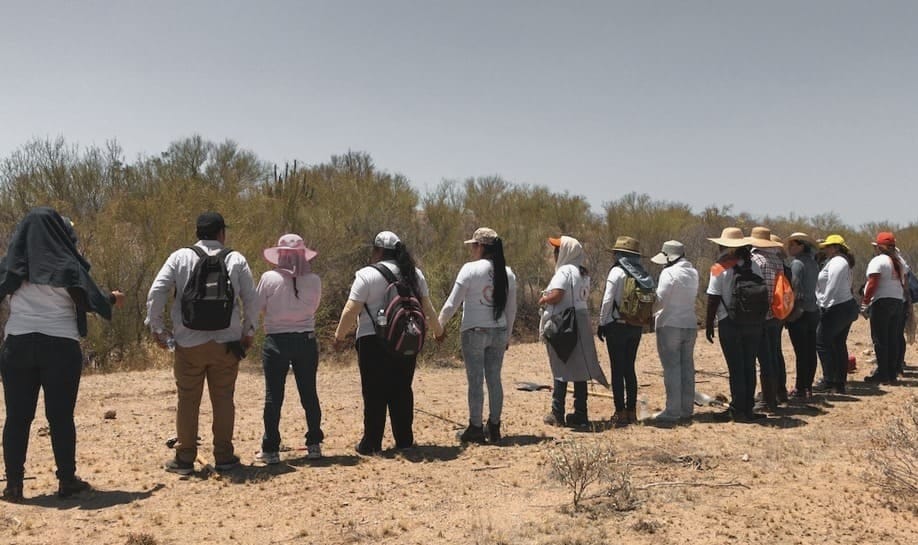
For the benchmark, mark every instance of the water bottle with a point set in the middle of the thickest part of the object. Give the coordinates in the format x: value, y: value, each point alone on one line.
x: 381, y: 317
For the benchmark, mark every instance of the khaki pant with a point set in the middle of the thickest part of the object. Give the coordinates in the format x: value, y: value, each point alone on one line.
x: 192, y: 366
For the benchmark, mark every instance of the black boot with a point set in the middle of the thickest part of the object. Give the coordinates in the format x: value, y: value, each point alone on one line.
x: 472, y: 434
x: 493, y: 432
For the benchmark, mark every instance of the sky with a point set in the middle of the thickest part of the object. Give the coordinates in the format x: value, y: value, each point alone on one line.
x: 773, y: 107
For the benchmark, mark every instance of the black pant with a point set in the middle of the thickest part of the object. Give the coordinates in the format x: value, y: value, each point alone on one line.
x: 281, y: 352
x: 385, y: 382
x: 622, y: 341
x: 803, y: 336
x: 559, y: 392
x: 885, y: 317
x: 831, y: 338
x: 740, y: 343
x: 767, y: 354
x: 28, y: 363
x: 899, y: 362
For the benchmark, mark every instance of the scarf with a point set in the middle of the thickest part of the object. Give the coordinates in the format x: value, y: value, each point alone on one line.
x: 632, y: 265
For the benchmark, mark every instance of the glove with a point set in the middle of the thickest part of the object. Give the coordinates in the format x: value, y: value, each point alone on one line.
x: 709, y: 333
x: 600, y: 332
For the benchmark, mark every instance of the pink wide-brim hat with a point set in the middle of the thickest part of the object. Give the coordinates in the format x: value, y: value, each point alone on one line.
x: 288, y: 242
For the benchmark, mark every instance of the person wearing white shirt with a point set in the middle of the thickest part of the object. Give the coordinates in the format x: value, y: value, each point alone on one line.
x: 204, y: 355
x: 486, y: 289
x: 385, y: 378
x: 288, y: 296
x: 676, y: 327
x: 50, y: 290
x: 883, y: 296
x: 738, y: 341
x: 837, y: 311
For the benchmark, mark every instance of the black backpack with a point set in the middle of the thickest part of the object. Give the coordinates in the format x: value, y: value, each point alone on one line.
x: 400, y: 323
x: 751, y: 297
x: 208, y: 297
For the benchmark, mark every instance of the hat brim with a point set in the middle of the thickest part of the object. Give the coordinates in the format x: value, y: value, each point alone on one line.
x: 556, y: 242
x: 271, y: 254
x: 731, y: 242
x: 660, y: 259
x: 827, y: 244
x: 625, y: 250
x: 470, y: 241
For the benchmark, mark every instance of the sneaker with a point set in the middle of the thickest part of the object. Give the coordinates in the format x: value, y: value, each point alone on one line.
x: 72, y: 486
x: 228, y: 465
x: 665, y: 418
x: 874, y: 378
x: 822, y: 386
x: 179, y: 467
x: 12, y: 494
x: 472, y: 434
x: 493, y: 432
x: 268, y: 458
x: 313, y: 452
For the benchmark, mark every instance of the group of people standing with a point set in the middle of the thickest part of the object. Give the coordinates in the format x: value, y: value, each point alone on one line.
x: 51, y: 291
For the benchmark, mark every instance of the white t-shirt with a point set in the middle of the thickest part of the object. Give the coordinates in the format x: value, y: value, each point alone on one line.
x: 833, y: 285
x: 612, y: 296
x: 576, y: 289
x: 286, y: 311
x: 369, y: 288
x: 473, y: 290
x: 888, y: 285
x: 722, y: 284
x: 39, y: 308
x: 676, y: 293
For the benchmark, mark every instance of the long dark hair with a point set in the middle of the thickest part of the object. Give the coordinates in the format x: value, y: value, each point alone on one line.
x: 846, y: 253
x: 406, y: 264
x: 495, y: 254
x: 890, y: 251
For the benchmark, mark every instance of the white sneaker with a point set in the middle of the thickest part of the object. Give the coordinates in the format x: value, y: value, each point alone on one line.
x: 269, y: 458
x: 313, y: 452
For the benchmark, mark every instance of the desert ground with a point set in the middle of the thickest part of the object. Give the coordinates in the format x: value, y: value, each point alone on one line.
x: 801, y: 476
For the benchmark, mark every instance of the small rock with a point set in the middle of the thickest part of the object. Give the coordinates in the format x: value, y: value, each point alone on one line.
x: 745, y: 458
x: 110, y: 414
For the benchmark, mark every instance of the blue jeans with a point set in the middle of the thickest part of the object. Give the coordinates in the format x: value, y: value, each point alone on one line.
x: 831, y: 338
x: 281, y: 352
x: 29, y: 363
x: 622, y: 341
x: 676, y: 346
x: 483, y: 352
x: 739, y: 344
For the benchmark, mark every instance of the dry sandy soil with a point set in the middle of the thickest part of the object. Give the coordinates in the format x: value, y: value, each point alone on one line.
x: 799, y: 477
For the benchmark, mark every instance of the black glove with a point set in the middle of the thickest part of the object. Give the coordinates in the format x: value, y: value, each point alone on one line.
x: 236, y: 348
x: 601, y: 333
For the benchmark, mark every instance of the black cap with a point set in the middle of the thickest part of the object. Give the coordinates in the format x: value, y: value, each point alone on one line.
x: 210, y: 222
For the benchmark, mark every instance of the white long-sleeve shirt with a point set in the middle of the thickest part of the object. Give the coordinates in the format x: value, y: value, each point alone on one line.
x: 172, y: 278
x: 286, y: 310
x: 612, y: 296
x: 473, y: 289
x: 833, y: 285
x: 677, y: 290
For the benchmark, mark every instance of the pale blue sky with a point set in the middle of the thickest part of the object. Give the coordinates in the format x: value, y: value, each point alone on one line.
x: 774, y: 107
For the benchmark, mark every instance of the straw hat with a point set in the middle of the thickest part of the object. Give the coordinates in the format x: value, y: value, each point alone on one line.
x: 761, y: 238
x: 671, y: 251
x: 731, y: 237
x: 832, y: 240
x: 288, y: 242
x: 802, y: 238
x: 627, y: 244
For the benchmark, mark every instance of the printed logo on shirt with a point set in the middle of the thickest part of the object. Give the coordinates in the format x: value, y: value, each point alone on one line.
x: 487, y: 296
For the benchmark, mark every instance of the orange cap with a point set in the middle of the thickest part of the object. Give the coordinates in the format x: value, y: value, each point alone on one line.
x: 556, y: 242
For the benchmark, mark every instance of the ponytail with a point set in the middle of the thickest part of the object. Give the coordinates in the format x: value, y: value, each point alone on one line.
x: 495, y: 254
x: 847, y: 254
x: 890, y: 251
x: 406, y: 265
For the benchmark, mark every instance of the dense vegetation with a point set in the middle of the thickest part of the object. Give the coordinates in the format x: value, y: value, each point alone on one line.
x: 131, y: 215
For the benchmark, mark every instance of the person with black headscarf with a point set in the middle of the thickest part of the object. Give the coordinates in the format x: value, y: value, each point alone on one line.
x: 50, y: 293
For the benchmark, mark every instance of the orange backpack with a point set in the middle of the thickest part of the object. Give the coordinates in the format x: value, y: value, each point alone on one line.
x: 782, y: 301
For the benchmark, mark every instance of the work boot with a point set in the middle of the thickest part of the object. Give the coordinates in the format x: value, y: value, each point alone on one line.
x: 620, y: 419
x: 577, y: 420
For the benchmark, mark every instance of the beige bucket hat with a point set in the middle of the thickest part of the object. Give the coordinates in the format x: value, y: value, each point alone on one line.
x: 627, y: 244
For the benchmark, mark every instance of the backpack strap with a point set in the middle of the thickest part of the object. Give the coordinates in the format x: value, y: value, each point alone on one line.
x: 386, y: 272
x: 202, y: 254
